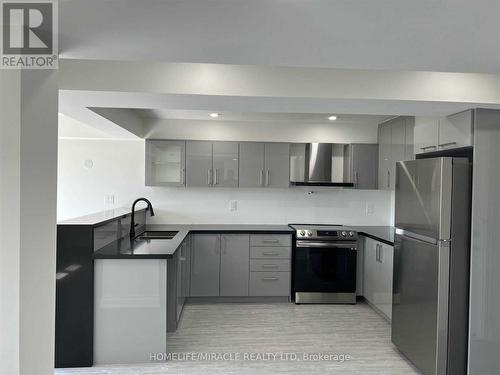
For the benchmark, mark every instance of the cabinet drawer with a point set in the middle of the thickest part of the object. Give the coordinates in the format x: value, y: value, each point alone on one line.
x: 264, y: 252
x: 270, y: 240
x: 270, y: 265
x: 269, y: 283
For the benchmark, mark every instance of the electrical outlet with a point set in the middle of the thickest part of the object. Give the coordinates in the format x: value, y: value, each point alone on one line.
x: 233, y: 205
x: 370, y: 208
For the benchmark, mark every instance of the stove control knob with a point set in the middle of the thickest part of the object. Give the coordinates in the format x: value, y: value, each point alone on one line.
x: 302, y: 233
x: 309, y: 233
x: 351, y: 234
x: 344, y: 233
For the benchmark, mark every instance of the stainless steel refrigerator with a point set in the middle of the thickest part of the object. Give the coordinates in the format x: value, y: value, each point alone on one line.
x: 431, y: 263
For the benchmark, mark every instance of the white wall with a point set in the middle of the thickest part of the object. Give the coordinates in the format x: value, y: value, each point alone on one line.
x: 28, y: 150
x: 118, y: 169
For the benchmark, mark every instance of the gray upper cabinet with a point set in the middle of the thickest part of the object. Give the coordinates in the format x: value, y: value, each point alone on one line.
x: 437, y: 134
x: 205, y: 265
x: 235, y: 264
x: 199, y: 170
x: 426, y: 134
x: 361, y: 165
x: 456, y: 130
x: 165, y: 163
x: 264, y: 165
x: 385, y: 155
x: 276, y: 165
x: 211, y: 164
x: 297, y: 162
x: 225, y: 164
x: 251, y: 164
x: 409, y: 130
x: 395, y: 139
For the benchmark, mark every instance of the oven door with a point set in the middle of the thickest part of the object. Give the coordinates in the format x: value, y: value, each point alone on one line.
x: 324, y: 272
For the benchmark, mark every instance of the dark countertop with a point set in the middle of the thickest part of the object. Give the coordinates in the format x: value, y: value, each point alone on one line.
x: 164, y: 249
x: 380, y: 233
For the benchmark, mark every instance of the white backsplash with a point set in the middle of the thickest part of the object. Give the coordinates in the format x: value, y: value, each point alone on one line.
x: 118, y: 170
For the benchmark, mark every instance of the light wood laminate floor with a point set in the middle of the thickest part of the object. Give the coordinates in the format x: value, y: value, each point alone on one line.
x: 256, y: 328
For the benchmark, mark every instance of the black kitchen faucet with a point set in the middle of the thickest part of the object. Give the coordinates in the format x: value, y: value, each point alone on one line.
x: 132, y: 218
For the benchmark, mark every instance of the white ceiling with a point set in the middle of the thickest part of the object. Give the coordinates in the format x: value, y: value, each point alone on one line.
x: 444, y: 35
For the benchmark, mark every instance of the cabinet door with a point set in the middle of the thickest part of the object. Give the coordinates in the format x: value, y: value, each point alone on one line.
x: 398, y: 147
x: 370, y: 267
x: 276, y: 165
x: 364, y: 165
x: 165, y: 163
x: 205, y: 265
x: 384, y: 154
x: 297, y: 162
x: 386, y: 257
x: 187, y: 276
x: 456, y: 130
x: 251, y: 164
x: 425, y: 136
x: 199, y: 164
x: 409, y: 147
x: 235, y: 264
x: 225, y: 164
x: 179, y: 280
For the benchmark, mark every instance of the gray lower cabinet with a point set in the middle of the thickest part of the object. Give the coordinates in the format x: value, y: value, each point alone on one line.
x: 199, y: 164
x: 205, y: 265
x: 234, y: 267
x: 265, y: 284
x: 251, y: 168
x: 361, y: 165
x: 378, y: 272
x: 270, y: 256
x: 237, y: 265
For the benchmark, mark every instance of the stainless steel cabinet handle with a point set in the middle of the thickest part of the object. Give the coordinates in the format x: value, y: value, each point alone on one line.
x: 209, y: 177
x: 216, y: 176
x: 270, y: 241
x: 447, y: 144
x: 182, y: 259
x: 388, y: 179
x: 261, y: 177
x: 427, y: 147
x: 270, y: 253
x: 356, y: 179
x: 183, y: 176
x: 270, y: 278
x: 381, y: 254
x: 270, y: 266
x: 268, y: 177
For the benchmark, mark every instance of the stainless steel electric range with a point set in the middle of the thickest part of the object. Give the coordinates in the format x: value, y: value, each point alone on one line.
x: 324, y: 264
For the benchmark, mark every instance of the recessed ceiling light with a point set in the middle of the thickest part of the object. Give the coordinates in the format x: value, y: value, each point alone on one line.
x: 332, y: 118
x: 214, y: 115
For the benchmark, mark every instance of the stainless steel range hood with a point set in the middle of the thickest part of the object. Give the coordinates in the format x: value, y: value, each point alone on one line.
x: 318, y: 166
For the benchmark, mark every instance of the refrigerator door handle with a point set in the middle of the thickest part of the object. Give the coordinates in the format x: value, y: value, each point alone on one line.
x: 418, y: 237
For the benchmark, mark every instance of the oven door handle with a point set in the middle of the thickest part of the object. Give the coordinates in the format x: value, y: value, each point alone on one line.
x: 303, y: 244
